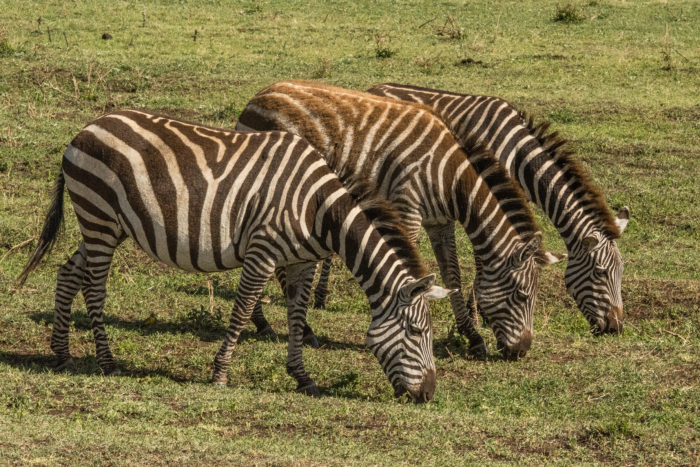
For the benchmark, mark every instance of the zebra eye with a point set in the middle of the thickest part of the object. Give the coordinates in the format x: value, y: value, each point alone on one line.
x: 521, y: 295
x: 414, y: 330
x: 600, y: 271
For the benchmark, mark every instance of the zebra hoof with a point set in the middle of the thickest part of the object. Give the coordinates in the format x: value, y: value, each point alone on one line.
x: 310, y: 390
x: 312, y: 341
x: 219, y: 384
x: 320, y: 305
x: 267, y: 332
x: 64, y: 364
x: 479, y: 350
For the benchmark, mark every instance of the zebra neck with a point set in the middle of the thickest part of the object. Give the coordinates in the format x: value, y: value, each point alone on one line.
x: 347, y: 231
x: 547, y: 175
x: 494, y: 224
x: 545, y: 171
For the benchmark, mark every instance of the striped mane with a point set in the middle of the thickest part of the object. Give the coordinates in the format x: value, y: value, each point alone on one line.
x: 555, y: 147
x: 513, y: 201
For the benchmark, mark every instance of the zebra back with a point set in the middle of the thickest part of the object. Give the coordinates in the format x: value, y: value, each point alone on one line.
x: 409, y: 154
x: 552, y: 178
x: 204, y: 199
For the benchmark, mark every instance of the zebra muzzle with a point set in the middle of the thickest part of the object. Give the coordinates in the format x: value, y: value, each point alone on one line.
x: 520, y: 348
x: 420, y: 393
x: 613, y: 320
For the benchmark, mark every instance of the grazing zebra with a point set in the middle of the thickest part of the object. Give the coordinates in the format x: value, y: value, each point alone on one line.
x: 553, y: 179
x: 204, y: 199
x: 413, y: 160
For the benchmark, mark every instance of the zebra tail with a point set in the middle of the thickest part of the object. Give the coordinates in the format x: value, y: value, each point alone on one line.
x: 52, y: 225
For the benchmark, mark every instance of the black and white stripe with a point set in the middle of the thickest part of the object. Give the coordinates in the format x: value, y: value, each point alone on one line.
x: 551, y: 178
x: 413, y: 160
x: 203, y: 199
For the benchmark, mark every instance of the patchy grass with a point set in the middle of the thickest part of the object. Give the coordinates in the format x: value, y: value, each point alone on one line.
x: 621, y: 85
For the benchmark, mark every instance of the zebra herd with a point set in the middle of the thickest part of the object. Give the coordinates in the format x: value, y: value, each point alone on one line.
x: 313, y: 170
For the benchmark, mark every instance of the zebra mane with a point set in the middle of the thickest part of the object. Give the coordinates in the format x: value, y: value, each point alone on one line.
x: 555, y: 147
x: 511, y: 197
x: 384, y: 217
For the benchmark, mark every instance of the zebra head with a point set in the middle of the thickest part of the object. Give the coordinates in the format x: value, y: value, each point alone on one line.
x: 594, y: 278
x: 401, y: 337
x: 506, y: 295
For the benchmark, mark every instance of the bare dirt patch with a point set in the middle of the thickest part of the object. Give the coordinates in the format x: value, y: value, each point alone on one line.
x: 661, y: 299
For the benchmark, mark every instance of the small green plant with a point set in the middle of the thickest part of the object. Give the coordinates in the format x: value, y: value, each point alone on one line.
x: 6, y: 49
x: 382, y: 49
x: 323, y: 70
x: 206, y: 320
x: 568, y: 14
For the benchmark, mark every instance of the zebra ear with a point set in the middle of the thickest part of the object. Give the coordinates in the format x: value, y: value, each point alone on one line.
x: 529, y: 249
x: 622, y: 218
x: 436, y: 293
x: 414, y: 288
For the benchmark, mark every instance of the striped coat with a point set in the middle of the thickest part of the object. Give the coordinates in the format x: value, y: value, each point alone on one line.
x: 552, y: 179
x: 203, y: 199
x: 413, y: 160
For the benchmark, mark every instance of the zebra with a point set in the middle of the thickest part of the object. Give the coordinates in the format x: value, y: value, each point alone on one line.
x: 203, y: 199
x: 413, y: 160
x: 552, y: 178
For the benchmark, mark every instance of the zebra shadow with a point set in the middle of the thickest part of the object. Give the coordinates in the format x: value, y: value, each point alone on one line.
x: 210, y: 331
x: 43, y: 363
x: 207, y: 332
x: 456, y: 347
x: 85, y: 366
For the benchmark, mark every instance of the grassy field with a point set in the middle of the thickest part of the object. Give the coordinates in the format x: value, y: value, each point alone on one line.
x: 620, y: 79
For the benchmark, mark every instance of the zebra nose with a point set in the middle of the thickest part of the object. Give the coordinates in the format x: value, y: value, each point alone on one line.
x: 428, y: 387
x: 613, y: 320
x: 520, y: 348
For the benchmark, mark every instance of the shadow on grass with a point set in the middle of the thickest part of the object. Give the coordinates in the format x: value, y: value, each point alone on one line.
x: 86, y: 365
x: 41, y: 363
x: 348, y: 386
x: 210, y: 333
x: 458, y: 347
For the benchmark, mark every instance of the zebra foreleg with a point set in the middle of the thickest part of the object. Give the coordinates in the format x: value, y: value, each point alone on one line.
x: 68, y: 284
x: 256, y: 272
x: 263, y: 326
x: 442, y: 239
x: 321, y: 292
x: 298, y: 288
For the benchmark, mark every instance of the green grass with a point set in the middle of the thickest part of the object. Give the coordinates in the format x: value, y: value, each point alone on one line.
x: 620, y: 82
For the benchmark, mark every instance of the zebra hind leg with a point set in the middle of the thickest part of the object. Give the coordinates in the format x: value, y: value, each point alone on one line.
x: 256, y: 272
x: 309, y: 338
x: 98, y: 262
x: 299, y: 279
x: 262, y: 326
x: 442, y: 239
x: 68, y: 284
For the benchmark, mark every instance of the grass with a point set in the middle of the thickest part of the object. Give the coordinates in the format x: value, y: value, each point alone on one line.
x: 621, y: 84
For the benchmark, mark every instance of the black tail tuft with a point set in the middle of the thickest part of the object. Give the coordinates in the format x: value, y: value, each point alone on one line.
x: 52, y: 224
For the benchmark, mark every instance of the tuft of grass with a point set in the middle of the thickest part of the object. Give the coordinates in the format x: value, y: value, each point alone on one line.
x: 323, y: 70
x: 569, y: 14
x: 449, y: 30
x: 381, y: 46
x: 6, y: 49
